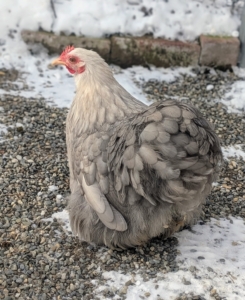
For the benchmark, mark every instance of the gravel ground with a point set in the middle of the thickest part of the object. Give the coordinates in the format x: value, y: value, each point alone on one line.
x: 38, y: 260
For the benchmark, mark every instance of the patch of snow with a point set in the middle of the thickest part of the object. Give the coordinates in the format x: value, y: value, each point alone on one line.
x: 59, y: 197
x: 3, y: 131
x: 240, y: 72
x: 235, y: 33
x: 52, y: 188
x: 168, y: 75
x: 235, y: 98
x: 63, y: 218
x: 58, y: 87
x: 97, y: 18
x: 233, y: 151
x: 183, y: 20
x: 212, y: 257
x: 209, y: 87
x: 129, y: 77
x: 127, y: 80
x: 43, y: 82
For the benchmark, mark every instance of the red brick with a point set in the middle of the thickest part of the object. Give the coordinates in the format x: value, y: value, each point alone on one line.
x: 219, y: 51
x: 128, y: 51
x: 56, y: 43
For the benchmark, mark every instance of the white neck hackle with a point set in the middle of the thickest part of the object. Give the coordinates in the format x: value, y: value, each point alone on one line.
x: 100, y: 98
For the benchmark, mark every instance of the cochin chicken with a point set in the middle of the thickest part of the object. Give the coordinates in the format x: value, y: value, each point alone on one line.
x: 136, y: 171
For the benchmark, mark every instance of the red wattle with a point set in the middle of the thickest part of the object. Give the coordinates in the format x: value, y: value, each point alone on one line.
x: 80, y: 70
x: 71, y: 70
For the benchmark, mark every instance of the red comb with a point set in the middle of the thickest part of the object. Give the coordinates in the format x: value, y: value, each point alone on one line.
x: 67, y: 50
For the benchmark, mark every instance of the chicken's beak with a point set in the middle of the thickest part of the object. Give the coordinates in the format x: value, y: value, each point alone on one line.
x: 58, y: 61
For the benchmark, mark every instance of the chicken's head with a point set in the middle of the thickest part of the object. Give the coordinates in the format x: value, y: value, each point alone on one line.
x: 73, y: 62
x: 78, y: 60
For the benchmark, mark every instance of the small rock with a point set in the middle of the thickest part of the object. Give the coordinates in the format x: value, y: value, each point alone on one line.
x: 123, y: 290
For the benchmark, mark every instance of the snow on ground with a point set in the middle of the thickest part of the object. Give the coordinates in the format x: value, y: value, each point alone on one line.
x: 49, y: 86
x: 138, y: 74
x: 3, y: 128
x: 210, y: 255
x: 168, y: 75
x: 3, y: 131
x: 233, y: 151
x: 52, y: 188
x: 137, y: 17
x: 144, y: 16
x: 235, y: 98
x: 63, y: 218
x: 98, y: 18
x: 42, y: 81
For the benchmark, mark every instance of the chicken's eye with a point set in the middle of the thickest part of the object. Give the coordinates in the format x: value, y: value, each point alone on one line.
x: 72, y: 59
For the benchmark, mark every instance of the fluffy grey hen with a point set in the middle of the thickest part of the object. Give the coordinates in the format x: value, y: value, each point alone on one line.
x: 135, y: 171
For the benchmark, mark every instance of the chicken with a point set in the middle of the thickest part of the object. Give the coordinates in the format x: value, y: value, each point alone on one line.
x: 136, y: 171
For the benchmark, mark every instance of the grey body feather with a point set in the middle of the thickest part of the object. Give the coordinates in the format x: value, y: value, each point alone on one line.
x: 135, y: 171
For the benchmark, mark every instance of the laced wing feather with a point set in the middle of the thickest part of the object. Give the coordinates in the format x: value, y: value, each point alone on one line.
x: 91, y: 172
x: 166, y: 154
x: 105, y: 211
x: 170, y: 159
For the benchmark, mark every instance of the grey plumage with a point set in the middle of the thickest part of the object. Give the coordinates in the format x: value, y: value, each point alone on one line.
x: 135, y: 171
